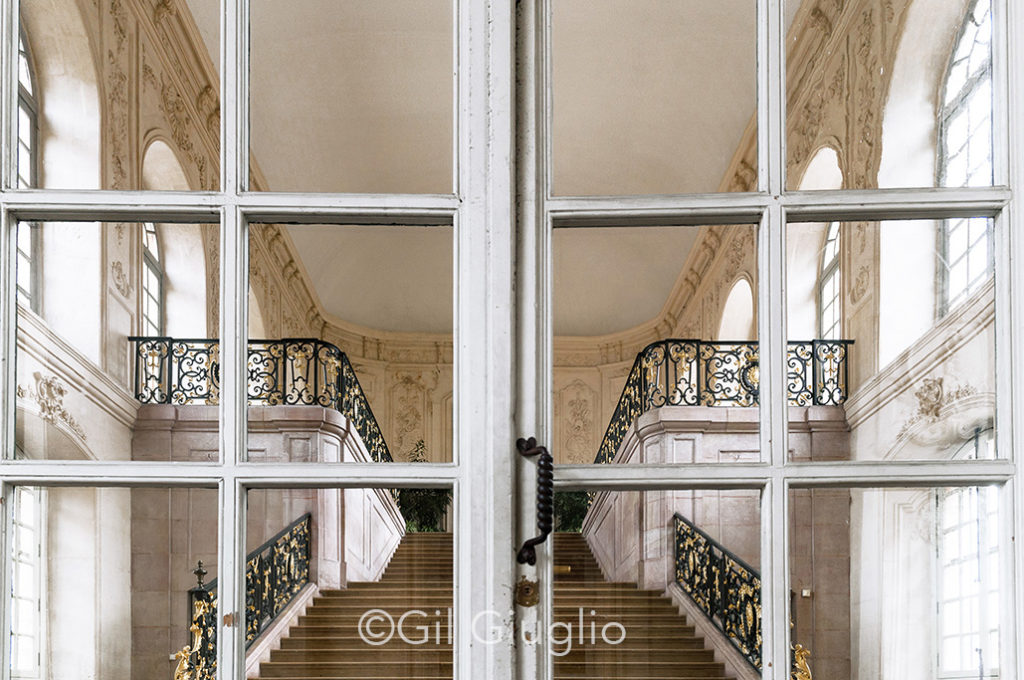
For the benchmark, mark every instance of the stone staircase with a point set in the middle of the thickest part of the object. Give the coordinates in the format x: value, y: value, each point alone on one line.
x: 325, y: 643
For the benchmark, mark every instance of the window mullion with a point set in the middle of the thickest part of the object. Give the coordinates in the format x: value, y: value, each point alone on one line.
x: 484, y: 333
x: 1011, y: 416
x: 773, y: 425
x: 771, y: 99
x: 8, y: 330
x: 233, y: 315
x: 6, y: 571
x: 9, y: 32
x: 533, y: 344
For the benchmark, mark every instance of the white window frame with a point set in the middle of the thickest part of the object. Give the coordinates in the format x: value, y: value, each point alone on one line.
x: 947, y: 298
x: 35, y: 589
x: 828, y: 271
x: 28, y: 103
x: 503, y: 369
x: 981, y: 559
x: 152, y: 264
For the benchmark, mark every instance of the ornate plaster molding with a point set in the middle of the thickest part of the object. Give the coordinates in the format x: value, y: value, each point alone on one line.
x: 48, y: 393
x: 121, y: 281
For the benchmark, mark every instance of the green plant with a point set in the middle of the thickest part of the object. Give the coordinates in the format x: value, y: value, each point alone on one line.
x: 570, y: 509
x: 423, y: 509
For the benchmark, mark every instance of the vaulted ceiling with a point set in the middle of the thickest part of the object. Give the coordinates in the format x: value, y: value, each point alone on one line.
x: 650, y: 96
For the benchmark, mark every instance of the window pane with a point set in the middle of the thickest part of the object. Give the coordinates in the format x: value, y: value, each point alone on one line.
x: 90, y: 385
x: 904, y: 367
x: 352, y: 96
x: 873, y: 579
x: 373, y: 571
x: 666, y: 582
x: 902, y: 92
x: 110, y: 579
x: 656, y: 324
x: 140, y: 112
x: 654, y: 96
x: 25, y: 79
x: 350, y: 324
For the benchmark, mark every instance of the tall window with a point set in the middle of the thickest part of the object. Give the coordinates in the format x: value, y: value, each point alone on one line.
x: 965, y: 154
x: 968, y: 583
x: 152, y: 283
x: 829, y: 312
x: 26, y: 587
x: 28, y: 127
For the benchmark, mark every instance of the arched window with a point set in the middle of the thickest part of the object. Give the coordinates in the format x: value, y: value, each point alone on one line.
x: 28, y: 171
x: 829, y: 308
x: 152, y: 283
x: 965, y: 154
x: 738, y: 314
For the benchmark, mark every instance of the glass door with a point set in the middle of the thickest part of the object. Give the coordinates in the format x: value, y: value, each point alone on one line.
x: 257, y: 339
x: 283, y: 284
x: 765, y: 333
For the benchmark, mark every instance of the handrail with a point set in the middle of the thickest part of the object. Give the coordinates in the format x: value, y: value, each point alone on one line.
x: 290, y: 371
x: 680, y: 372
x: 723, y: 586
x: 275, y: 572
x: 728, y: 591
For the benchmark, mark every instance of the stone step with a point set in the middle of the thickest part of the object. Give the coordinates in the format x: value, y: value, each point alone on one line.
x: 335, y: 641
x: 677, y: 670
x: 349, y: 629
x: 360, y: 586
x: 581, y: 653
x: 324, y: 643
x: 397, y: 606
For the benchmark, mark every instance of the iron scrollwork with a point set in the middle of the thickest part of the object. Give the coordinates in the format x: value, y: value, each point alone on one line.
x: 293, y: 372
x: 275, y: 572
x: 697, y: 373
x: 726, y: 589
x: 198, y: 659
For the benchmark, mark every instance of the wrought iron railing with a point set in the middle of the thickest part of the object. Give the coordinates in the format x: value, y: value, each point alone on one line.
x: 722, y: 585
x: 275, y: 572
x: 698, y: 373
x: 293, y: 371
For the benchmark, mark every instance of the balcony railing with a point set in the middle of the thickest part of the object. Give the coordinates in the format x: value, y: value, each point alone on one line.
x: 293, y: 371
x: 275, y: 572
x: 698, y: 373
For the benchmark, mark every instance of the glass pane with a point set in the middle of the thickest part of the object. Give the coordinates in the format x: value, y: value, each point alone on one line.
x: 350, y: 324
x: 902, y: 92
x: 658, y: 324
x: 28, y: 153
x: 908, y: 372
x: 108, y: 584
x: 143, y: 111
x: 353, y: 96
x: 368, y: 583
x: 657, y: 584
x: 877, y: 593
x: 654, y: 96
x: 93, y: 383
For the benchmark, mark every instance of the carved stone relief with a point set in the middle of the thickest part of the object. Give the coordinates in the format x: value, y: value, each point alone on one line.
x: 408, y: 405
x: 121, y: 280
x: 48, y: 393
x: 576, y: 406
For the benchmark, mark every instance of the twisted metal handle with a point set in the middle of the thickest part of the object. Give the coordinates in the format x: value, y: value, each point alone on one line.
x: 545, y: 497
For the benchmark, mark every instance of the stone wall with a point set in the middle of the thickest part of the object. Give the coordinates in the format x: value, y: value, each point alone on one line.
x: 632, y: 533
x: 354, y: 531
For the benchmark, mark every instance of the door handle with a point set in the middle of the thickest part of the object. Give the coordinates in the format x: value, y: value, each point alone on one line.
x: 545, y: 497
